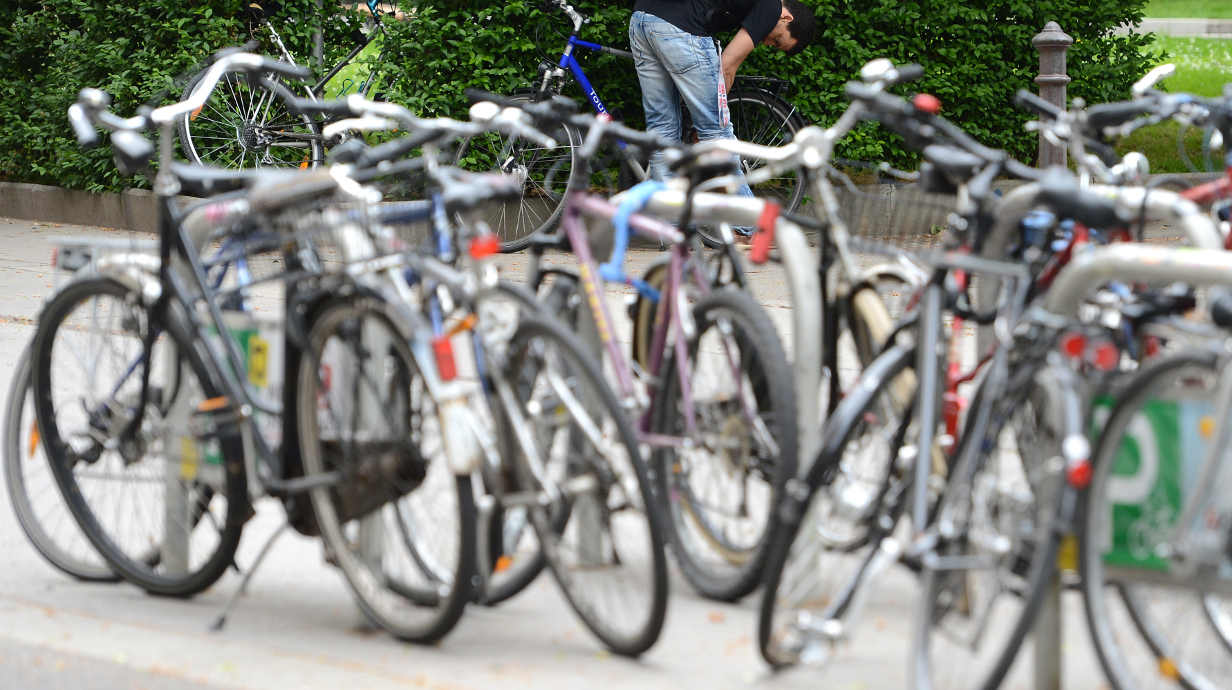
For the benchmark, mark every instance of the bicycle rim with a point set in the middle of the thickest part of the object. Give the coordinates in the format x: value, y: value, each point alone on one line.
x: 609, y: 558
x: 245, y: 127
x: 399, y: 523
x: 40, y: 509
x: 545, y: 174
x: 166, y: 509
x: 720, y: 492
x: 1147, y: 635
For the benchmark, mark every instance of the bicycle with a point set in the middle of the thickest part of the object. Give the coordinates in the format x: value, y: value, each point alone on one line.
x: 759, y: 114
x: 246, y: 123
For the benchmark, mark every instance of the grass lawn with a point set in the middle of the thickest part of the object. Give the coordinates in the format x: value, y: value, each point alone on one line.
x: 1203, y: 66
x: 1202, y: 9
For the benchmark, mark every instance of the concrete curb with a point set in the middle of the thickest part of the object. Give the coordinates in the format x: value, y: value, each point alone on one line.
x: 134, y: 209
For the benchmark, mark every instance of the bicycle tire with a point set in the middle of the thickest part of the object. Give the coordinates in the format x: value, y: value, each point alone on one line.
x: 52, y: 531
x: 866, y: 420
x: 231, y: 131
x: 722, y: 556
x: 954, y: 645
x: 546, y: 174
x: 760, y: 117
x: 144, y: 558
x: 414, y: 590
x: 522, y: 558
x: 1157, y: 656
x: 629, y: 543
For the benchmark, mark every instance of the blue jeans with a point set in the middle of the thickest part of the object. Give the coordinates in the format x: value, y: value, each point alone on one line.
x: 674, y: 64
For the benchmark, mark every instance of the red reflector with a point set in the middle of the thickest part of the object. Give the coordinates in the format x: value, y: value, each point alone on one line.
x: 1106, y: 356
x: 1079, y: 474
x: 764, y: 238
x: 55, y: 256
x: 926, y: 102
x: 487, y: 245
x: 1072, y: 345
x: 443, y: 349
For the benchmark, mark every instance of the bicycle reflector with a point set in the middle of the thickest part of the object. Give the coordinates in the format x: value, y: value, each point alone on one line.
x: 1073, y: 345
x: 926, y: 103
x: 484, y: 245
x: 1105, y: 355
x: 445, y: 366
x: 763, y: 239
x: 1076, y: 450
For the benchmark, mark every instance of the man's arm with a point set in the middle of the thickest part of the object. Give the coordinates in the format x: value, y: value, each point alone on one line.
x: 734, y: 54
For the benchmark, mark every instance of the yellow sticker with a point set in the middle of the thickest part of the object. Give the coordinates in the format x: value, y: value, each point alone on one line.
x: 258, y: 360
x: 1067, y: 554
x: 188, y: 458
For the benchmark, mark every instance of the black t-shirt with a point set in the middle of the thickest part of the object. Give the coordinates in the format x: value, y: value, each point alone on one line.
x: 758, y: 17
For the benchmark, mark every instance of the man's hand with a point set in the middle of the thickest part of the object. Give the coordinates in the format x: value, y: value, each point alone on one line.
x: 734, y: 54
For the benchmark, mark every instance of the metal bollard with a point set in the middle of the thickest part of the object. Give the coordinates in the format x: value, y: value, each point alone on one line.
x: 1052, y: 44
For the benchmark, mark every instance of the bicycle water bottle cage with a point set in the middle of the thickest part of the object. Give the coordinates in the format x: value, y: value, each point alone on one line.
x: 636, y: 198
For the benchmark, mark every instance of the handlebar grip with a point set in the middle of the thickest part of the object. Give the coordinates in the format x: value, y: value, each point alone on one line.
x: 87, y: 136
x: 304, y: 106
x: 474, y: 95
x: 395, y: 148
x: 286, y: 69
x: 908, y: 73
x: 1030, y: 102
x: 1021, y: 171
x: 1114, y: 114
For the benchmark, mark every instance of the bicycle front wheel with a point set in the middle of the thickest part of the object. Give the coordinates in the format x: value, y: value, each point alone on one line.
x: 608, y: 557
x: 36, y: 499
x: 718, y: 490
x: 242, y: 126
x: 1161, y: 421
x: 822, y: 545
x: 544, y: 173
x: 397, y: 521
x: 978, y: 606
x: 160, y: 490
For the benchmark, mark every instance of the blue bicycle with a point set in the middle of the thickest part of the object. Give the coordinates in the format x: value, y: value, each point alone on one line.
x: 759, y: 114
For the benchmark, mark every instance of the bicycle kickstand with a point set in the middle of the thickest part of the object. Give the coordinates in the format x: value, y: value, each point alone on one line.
x: 239, y: 591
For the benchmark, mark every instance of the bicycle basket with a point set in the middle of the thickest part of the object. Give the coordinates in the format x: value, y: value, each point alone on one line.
x: 896, y: 217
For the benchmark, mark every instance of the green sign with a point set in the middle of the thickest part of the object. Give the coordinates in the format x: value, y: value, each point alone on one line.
x: 1161, y: 450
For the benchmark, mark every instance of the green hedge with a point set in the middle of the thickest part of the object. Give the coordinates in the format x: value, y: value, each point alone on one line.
x: 976, y: 54
x: 133, y: 49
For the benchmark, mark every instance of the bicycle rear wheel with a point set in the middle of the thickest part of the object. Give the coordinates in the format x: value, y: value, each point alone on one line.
x: 718, y: 493
x: 398, y: 522
x: 760, y: 117
x: 1131, y: 505
x: 608, y: 557
x: 544, y: 172
x: 164, y: 505
x: 242, y: 126
x: 36, y: 499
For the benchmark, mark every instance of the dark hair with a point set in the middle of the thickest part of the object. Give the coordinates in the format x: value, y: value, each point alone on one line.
x: 803, y: 25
